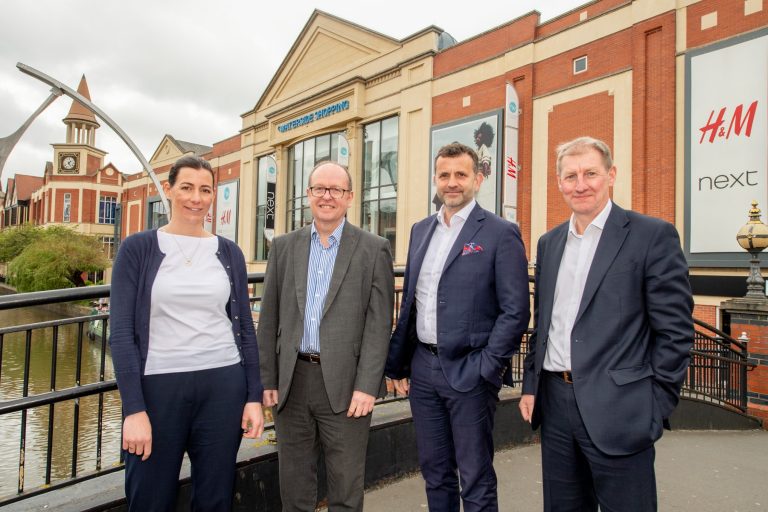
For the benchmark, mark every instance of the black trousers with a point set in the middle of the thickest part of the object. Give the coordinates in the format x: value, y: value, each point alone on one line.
x: 198, y: 412
x: 577, y: 475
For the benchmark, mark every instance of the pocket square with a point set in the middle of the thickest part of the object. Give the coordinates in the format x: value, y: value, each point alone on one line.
x: 471, y: 248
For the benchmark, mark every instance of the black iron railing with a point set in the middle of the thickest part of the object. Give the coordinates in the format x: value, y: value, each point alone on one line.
x: 718, y: 369
x: 717, y: 374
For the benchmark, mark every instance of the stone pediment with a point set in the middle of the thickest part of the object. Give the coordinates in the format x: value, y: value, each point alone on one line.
x: 167, y: 152
x: 328, y: 50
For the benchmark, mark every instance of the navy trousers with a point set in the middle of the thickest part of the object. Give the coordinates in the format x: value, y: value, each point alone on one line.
x: 198, y: 412
x: 578, y: 476
x: 454, y: 431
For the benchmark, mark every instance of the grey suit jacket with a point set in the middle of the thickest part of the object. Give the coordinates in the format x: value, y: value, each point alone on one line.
x: 356, y: 322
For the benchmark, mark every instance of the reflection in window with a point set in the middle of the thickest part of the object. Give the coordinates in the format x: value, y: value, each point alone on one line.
x: 157, y: 216
x: 67, y: 207
x: 379, y: 191
x: 302, y: 157
x: 107, y: 209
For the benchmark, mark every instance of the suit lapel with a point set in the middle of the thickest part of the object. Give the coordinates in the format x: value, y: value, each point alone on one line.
x: 548, y: 274
x: 471, y: 226
x: 419, y: 251
x: 349, y: 239
x: 614, y: 234
x: 300, y: 263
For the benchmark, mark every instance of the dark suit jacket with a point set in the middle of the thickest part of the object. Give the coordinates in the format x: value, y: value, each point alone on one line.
x: 632, y: 334
x: 357, y: 316
x: 483, y: 303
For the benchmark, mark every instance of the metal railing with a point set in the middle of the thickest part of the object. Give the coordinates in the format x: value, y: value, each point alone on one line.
x: 718, y: 369
x: 717, y: 374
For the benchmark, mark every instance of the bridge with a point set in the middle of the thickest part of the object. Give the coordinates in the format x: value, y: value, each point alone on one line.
x: 72, y: 459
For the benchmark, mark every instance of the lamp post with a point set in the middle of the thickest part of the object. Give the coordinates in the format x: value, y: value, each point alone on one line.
x: 753, y: 238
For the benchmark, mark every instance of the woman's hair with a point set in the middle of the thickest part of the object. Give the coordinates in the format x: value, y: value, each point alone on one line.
x: 486, y: 134
x: 191, y: 161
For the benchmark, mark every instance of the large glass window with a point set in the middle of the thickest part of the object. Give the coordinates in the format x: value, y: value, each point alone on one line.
x: 108, y: 244
x: 379, y: 197
x: 107, y: 209
x: 302, y: 157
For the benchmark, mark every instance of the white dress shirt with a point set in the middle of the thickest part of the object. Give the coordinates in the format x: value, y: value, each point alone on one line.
x: 571, y: 278
x: 440, y: 245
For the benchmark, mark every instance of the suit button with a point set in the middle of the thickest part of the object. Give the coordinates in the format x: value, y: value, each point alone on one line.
x: 577, y: 341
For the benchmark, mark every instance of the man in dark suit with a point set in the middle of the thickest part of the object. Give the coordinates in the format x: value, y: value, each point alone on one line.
x: 324, y: 328
x: 609, y: 352
x: 464, y: 310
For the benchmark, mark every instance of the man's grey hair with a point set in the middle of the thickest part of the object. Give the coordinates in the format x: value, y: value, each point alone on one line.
x: 580, y: 146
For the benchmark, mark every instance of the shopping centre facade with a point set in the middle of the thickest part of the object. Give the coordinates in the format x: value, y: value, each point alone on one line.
x: 677, y: 88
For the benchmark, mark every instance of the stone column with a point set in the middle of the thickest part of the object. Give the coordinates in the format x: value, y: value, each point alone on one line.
x: 750, y: 316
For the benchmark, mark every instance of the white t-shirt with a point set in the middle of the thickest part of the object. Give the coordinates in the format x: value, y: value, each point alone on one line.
x: 189, y: 328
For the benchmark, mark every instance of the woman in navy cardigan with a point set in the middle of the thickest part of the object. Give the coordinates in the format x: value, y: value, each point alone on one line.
x: 184, y: 351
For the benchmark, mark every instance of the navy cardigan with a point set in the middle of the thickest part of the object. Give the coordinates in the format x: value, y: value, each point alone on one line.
x: 133, y: 273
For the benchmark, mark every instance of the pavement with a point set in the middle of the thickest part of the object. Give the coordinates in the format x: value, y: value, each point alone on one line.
x: 696, y: 471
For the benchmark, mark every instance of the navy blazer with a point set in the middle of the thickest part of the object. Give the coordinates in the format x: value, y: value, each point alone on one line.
x: 632, y: 334
x: 483, y: 303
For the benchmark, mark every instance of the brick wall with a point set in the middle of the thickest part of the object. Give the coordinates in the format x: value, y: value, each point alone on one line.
x: 730, y: 21
x: 653, y: 111
x: 591, y: 115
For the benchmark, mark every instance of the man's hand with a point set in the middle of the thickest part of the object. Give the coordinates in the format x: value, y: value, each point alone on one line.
x: 137, y: 435
x: 270, y: 398
x: 401, y: 386
x: 253, y: 420
x: 361, y: 404
x: 526, y: 407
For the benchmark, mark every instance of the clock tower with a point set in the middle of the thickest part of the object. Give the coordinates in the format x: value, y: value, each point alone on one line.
x: 79, y: 155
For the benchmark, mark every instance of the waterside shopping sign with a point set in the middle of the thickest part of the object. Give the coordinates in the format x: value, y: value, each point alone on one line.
x: 727, y: 146
x: 311, y: 117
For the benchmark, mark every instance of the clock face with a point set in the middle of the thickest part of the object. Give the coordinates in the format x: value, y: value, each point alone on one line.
x: 68, y: 163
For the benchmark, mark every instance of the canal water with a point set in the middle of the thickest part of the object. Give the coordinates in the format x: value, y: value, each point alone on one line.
x: 39, y: 420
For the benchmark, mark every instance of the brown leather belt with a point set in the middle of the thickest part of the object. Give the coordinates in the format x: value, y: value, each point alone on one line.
x: 566, y: 377
x: 310, y: 358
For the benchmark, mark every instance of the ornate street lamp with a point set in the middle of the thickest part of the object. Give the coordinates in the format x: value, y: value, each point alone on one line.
x: 753, y: 238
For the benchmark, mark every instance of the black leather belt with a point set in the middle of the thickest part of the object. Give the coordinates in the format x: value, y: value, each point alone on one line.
x: 429, y: 346
x: 310, y: 358
x: 566, y: 377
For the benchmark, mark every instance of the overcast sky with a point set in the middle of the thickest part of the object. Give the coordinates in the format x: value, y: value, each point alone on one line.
x: 184, y: 67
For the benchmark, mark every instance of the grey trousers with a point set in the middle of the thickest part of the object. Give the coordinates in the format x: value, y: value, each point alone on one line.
x: 304, y: 426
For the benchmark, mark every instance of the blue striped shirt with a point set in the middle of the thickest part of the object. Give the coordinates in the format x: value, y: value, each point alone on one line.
x: 319, y: 272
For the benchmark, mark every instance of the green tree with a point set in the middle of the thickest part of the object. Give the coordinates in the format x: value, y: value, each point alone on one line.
x: 13, y: 240
x: 56, y: 259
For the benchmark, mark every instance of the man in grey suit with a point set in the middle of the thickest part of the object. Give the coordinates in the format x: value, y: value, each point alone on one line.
x: 324, y: 328
x: 609, y: 351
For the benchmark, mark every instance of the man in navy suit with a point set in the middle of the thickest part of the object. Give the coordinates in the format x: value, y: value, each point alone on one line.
x: 465, y: 308
x: 609, y: 352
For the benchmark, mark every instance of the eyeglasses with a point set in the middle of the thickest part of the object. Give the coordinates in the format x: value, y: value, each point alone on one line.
x: 336, y: 193
x: 571, y: 179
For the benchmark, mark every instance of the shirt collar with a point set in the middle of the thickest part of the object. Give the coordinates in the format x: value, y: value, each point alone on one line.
x: 334, y: 237
x: 598, y: 222
x: 463, y: 214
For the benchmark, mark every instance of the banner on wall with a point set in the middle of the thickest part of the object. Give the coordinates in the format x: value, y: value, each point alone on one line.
x: 343, y: 150
x: 727, y: 141
x: 226, y: 209
x: 511, y: 166
x: 481, y: 133
x: 269, y: 215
